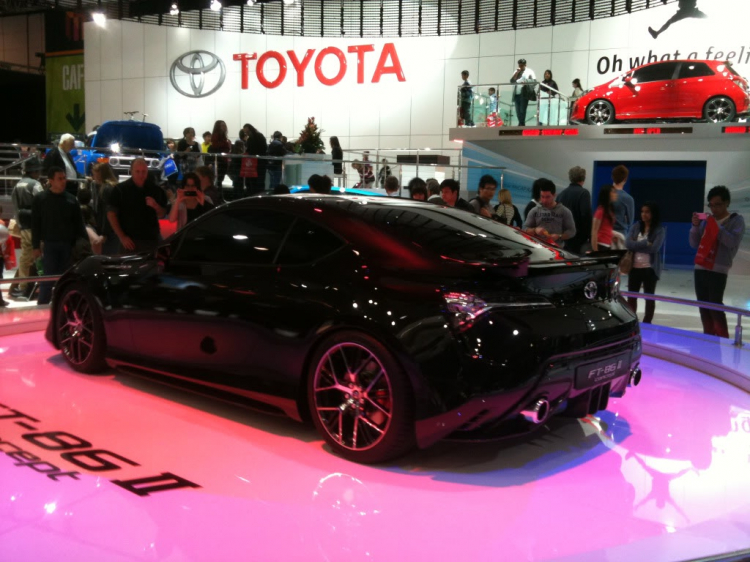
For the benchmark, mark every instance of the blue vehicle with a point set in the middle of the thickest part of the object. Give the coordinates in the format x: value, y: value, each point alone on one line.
x: 341, y: 191
x: 119, y: 143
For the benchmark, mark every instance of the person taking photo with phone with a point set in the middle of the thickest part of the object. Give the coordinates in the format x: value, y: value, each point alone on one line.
x: 191, y: 202
x: 717, y: 236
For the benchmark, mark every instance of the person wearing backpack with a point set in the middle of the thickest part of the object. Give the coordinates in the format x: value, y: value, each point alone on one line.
x: 486, y: 192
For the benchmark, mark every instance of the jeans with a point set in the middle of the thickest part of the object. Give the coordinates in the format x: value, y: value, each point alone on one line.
x: 238, y: 188
x: 521, y: 104
x: 466, y: 114
x: 55, y: 260
x: 274, y: 177
x: 709, y: 287
x: 647, y: 277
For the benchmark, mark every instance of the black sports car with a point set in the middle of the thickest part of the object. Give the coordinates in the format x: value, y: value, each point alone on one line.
x: 389, y: 323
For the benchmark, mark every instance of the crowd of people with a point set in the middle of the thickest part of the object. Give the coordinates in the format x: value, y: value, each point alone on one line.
x: 568, y: 220
x: 57, y: 225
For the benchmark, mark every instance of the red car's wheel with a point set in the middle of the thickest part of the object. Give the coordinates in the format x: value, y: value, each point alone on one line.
x: 600, y: 112
x: 719, y: 110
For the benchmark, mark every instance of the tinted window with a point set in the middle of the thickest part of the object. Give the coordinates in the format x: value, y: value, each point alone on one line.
x: 655, y: 72
x: 454, y: 234
x: 695, y: 70
x: 308, y: 242
x: 236, y: 236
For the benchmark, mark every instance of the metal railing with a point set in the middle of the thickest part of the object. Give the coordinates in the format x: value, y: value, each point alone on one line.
x: 740, y: 312
x: 549, y: 106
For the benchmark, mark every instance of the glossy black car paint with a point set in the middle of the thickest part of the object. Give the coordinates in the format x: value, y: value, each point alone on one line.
x: 247, y: 332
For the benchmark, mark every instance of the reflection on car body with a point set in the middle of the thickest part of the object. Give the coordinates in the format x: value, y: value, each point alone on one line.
x: 390, y: 323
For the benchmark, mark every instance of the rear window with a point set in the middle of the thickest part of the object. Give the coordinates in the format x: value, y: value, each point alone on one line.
x: 453, y: 234
x: 695, y: 70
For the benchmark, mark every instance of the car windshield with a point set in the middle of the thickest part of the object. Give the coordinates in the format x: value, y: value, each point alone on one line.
x: 453, y: 234
x: 129, y: 135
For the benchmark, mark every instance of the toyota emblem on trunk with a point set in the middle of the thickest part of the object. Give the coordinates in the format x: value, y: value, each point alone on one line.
x: 197, y: 71
x: 590, y: 290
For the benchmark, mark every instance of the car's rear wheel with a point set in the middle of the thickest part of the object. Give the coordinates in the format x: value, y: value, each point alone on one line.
x: 360, y: 399
x: 719, y: 110
x: 600, y: 112
x: 80, y: 331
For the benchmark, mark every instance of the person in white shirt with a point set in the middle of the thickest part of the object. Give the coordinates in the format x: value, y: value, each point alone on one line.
x: 521, y: 94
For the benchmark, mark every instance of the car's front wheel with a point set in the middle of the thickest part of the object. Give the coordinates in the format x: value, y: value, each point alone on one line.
x: 360, y: 399
x: 80, y: 331
x: 719, y: 110
x: 600, y: 112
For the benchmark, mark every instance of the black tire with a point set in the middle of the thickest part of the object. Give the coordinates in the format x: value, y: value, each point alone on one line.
x: 719, y: 109
x: 600, y: 112
x: 360, y: 399
x: 80, y: 330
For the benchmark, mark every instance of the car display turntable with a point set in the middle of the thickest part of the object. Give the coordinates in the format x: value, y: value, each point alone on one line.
x: 114, y: 467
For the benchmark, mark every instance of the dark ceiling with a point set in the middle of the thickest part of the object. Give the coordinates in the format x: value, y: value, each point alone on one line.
x: 348, y: 18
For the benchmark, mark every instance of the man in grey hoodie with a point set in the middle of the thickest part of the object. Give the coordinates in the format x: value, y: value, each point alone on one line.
x: 550, y: 220
x: 710, y: 283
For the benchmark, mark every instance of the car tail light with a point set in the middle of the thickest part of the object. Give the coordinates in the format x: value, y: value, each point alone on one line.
x: 465, y: 308
x: 742, y: 84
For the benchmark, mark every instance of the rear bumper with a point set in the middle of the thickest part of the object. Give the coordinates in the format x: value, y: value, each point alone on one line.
x: 560, y: 381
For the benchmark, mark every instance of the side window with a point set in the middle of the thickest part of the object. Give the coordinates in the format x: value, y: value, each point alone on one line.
x: 235, y: 236
x: 695, y: 70
x: 655, y: 73
x: 308, y: 242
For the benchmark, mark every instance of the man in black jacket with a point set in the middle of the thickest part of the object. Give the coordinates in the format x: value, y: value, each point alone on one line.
x: 60, y: 157
x: 577, y: 198
x: 450, y: 192
x: 56, y: 223
x: 275, y: 148
x: 135, y: 207
x: 23, y: 199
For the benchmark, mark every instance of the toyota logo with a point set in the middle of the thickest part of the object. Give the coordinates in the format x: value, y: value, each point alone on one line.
x: 197, y: 74
x: 590, y: 290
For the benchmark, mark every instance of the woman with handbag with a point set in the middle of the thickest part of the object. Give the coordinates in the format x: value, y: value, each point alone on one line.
x: 644, y: 243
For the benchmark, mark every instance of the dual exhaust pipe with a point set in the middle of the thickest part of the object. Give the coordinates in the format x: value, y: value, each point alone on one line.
x: 539, y: 410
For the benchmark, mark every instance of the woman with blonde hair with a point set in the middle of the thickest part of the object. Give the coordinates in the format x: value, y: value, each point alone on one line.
x: 506, y: 212
x: 105, y: 181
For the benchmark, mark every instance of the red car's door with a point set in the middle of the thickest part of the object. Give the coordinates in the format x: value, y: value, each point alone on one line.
x: 652, y: 89
x: 692, y: 88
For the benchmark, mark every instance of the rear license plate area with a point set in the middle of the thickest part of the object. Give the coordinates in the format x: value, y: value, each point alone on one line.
x: 603, y: 370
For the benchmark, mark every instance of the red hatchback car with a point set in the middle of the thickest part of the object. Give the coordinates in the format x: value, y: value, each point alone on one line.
x: 687, y: 89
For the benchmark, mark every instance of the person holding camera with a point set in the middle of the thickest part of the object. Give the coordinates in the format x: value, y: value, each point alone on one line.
x: 191, y: 202
x: 717, y: 236
x: 523, y: 93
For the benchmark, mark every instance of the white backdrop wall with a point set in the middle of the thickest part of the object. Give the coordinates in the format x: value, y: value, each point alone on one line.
x: 127, y: 68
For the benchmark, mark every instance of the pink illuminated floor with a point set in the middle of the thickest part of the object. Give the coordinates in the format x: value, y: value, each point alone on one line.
x: 663, y: 475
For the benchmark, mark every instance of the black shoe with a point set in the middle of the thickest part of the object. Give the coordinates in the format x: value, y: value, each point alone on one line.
x: 17, y: 293
x: 3, y: 303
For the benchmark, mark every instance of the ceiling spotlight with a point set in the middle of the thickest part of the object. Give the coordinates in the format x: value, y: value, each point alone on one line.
x: 215, y: 5
x: 99, y: 18
x: 250, y: 2
x: 174, y: 9
x: 288, y: 2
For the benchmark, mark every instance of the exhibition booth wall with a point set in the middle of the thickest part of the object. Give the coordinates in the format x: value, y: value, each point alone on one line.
x: 387, y: 93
